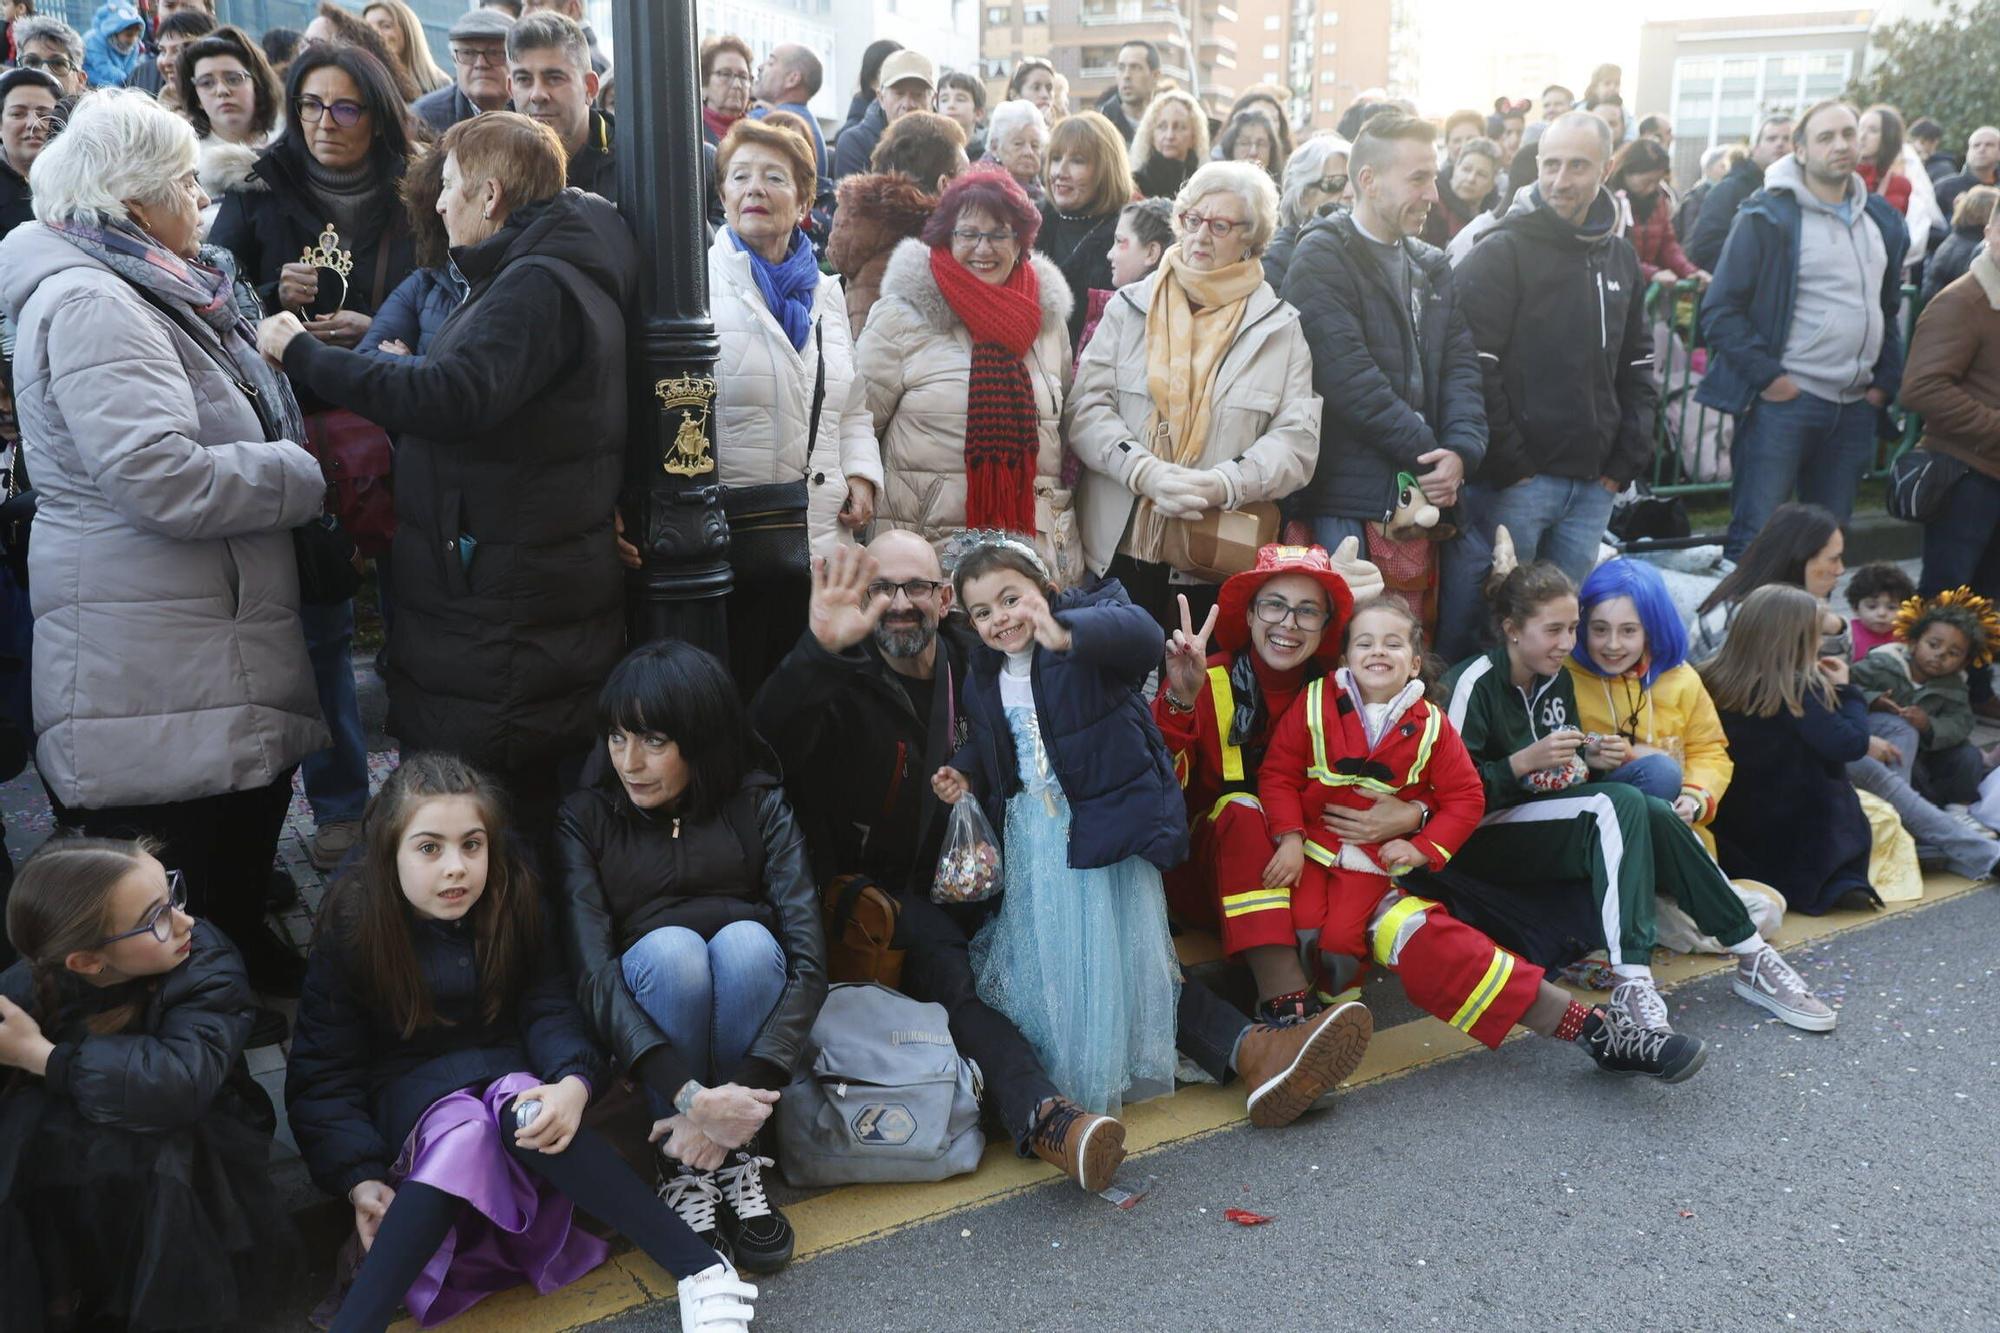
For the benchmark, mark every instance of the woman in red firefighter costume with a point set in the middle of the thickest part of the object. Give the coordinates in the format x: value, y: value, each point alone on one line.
x: 1279, y: 628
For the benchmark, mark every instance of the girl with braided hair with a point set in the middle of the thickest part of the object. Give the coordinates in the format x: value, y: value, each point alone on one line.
x: 134, y: 1148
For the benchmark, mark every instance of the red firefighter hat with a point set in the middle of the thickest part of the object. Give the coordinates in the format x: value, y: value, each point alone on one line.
x: 1232, y: 627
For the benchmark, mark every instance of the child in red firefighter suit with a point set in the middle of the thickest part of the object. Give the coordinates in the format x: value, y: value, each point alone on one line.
x: 1364, y: 731
x: 1280, y: 625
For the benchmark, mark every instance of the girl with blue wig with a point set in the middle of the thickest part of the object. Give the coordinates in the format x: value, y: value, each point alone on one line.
x: 1635, y: 689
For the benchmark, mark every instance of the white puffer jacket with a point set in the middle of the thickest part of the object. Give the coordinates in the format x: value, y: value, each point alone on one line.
x: 764, y: 393
x: 914, y: 357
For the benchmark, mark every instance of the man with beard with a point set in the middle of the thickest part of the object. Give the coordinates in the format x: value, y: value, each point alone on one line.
x: 861, y: 713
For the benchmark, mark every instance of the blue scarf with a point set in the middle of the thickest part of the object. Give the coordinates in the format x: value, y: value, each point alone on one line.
x: 788, y: 287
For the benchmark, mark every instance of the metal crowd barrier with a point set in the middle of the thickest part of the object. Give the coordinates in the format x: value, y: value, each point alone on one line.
x: 1691, y: 441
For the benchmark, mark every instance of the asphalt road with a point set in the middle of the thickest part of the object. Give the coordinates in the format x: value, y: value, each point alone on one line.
x: 1798, y: 1182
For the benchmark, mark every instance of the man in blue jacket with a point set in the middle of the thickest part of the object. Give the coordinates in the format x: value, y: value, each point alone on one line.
x: 1801, y: 323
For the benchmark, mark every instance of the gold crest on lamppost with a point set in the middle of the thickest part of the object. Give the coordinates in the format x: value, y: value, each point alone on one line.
x: 693, y: 396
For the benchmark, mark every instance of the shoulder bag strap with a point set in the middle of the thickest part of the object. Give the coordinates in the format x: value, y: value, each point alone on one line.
x: 186, y: 326
x: 819, y: 391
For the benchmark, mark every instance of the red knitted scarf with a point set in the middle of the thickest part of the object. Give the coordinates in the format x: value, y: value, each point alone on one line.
x: 1001, y: 425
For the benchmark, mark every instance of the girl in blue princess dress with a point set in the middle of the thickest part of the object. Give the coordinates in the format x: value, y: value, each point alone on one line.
x: 1067, y: 763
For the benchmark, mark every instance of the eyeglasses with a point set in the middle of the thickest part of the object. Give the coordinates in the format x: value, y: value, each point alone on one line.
x: 970, y: 238
x: 471, y: 56
x: 53, y: 64
x: 1193, y: 222
x: 345, y: 114
x: 1274, y: 610
x: 230, y: 79
x: 159, y: 922
x: 916, y: 590
x: 728, y: 76
x: 1335, y: 184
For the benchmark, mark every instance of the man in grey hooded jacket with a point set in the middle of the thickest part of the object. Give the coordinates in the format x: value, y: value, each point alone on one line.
x: 1801, y: 322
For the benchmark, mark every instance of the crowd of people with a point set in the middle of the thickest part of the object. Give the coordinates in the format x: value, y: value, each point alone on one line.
x: 1221, y: 529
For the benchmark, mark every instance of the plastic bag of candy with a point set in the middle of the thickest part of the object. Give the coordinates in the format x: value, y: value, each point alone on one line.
x: 968, y: 869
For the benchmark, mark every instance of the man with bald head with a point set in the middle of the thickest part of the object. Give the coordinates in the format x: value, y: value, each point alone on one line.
x: 1982, y: 167
x: 861, y: 713
x: 1556, y: 308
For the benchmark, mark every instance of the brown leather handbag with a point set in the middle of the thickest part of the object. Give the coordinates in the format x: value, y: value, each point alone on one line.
x: 860, y: 927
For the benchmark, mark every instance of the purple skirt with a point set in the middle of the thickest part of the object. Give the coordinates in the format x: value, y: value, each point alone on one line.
x: 519, y: 1227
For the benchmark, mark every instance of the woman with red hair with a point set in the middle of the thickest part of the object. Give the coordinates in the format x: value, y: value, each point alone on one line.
x: 965, y: 361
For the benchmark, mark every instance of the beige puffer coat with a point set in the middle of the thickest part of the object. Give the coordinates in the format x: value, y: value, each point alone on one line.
x: 915, y: 358
x: 1263, y: 432
x: 169, y: 661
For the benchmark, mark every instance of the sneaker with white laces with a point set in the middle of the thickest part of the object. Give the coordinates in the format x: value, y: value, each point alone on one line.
x: 1764, y: 978
x: 716, y: 1300
x: 1637, y: 1002
x: 1963, y: 815
x: 760, y: 1237
x: 1620, y: 1047
x: 694, y: 1196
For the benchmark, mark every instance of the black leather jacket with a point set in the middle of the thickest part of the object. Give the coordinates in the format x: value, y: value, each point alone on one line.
x: 626, y: 872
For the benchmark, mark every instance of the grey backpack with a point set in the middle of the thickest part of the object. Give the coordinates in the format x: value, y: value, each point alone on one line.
x: 887, y: 1097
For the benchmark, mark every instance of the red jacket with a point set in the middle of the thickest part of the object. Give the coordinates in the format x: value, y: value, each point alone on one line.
x: 1207, y: 769
x: 1319, y: 756
x: 1654, y: 239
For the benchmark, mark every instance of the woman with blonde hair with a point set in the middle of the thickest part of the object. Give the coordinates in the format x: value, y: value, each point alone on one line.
x: 403, y: 33
x: 1227, y: 415
x: 1171, y: 141
x: 1089, y: 182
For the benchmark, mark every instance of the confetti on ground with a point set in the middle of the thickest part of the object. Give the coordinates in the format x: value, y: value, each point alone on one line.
x: 1243, y: 1217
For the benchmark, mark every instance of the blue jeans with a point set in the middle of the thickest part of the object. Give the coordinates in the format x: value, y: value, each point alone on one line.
x: 1463, y: 562
x: 710, y: 997
x: 336, y: 779
x: 1654, y: 774
x: 1557, y: 519
x: 1809, y: 445
x: 1962, y: 548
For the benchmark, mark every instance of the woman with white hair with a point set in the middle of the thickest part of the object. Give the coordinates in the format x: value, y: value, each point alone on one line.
x: 1315, y: 176
x: 1171, y: 141
x: 1194, y: 397
x: 1017, y: 140
x: 173, y: 698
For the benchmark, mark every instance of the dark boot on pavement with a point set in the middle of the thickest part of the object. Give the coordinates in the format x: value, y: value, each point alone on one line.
x: 1288, y: 1068
x: 1087, y: 1148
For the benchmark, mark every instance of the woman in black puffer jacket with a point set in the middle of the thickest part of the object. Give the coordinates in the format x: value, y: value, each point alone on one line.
x: 694, y: 930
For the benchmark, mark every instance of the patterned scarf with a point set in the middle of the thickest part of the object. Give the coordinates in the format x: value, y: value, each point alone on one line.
x: 788, y: 286
x: 1002, y: 427
x: 1192, y: 319
x: 202, y: 289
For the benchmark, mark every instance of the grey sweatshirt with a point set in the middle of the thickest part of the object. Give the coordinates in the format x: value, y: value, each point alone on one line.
x: 1836, y: 329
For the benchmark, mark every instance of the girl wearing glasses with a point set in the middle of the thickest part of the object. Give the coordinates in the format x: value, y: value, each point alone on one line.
x: 1227, y: 417
x: 134, y: 1148
x: 232, y: 98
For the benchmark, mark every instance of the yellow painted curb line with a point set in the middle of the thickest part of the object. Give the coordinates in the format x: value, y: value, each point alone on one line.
x: 853, y: 1214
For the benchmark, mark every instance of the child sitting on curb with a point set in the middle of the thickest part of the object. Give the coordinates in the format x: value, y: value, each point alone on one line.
x: 1876, y: 593
x: 1917, y: 691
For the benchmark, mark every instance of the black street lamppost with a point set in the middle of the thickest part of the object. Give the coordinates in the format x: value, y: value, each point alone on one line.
x: 673, y: 503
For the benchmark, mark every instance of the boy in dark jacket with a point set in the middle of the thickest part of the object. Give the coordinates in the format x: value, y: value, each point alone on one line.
x: 1557, y: 312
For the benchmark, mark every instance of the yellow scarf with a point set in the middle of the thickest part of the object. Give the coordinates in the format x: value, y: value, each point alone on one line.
x: 1193, y: 318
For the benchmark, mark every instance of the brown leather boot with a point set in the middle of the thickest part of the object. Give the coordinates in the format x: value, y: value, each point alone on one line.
x: 1087, y: 1148
x: 1288, y: 1068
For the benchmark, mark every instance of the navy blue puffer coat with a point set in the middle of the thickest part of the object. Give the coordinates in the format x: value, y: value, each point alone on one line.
x: 1107, y: 753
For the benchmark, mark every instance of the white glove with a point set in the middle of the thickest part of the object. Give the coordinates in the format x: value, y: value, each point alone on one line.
x: 1363, y: 579
x: 1190, y: 492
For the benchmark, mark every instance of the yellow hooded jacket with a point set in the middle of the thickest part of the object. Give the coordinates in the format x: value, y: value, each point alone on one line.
x: 1676, y: 716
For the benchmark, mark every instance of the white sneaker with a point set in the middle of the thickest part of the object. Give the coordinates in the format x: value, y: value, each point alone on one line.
x: 715, y: 1300
x: 1765, y: 979
x: 1638, y: 1003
